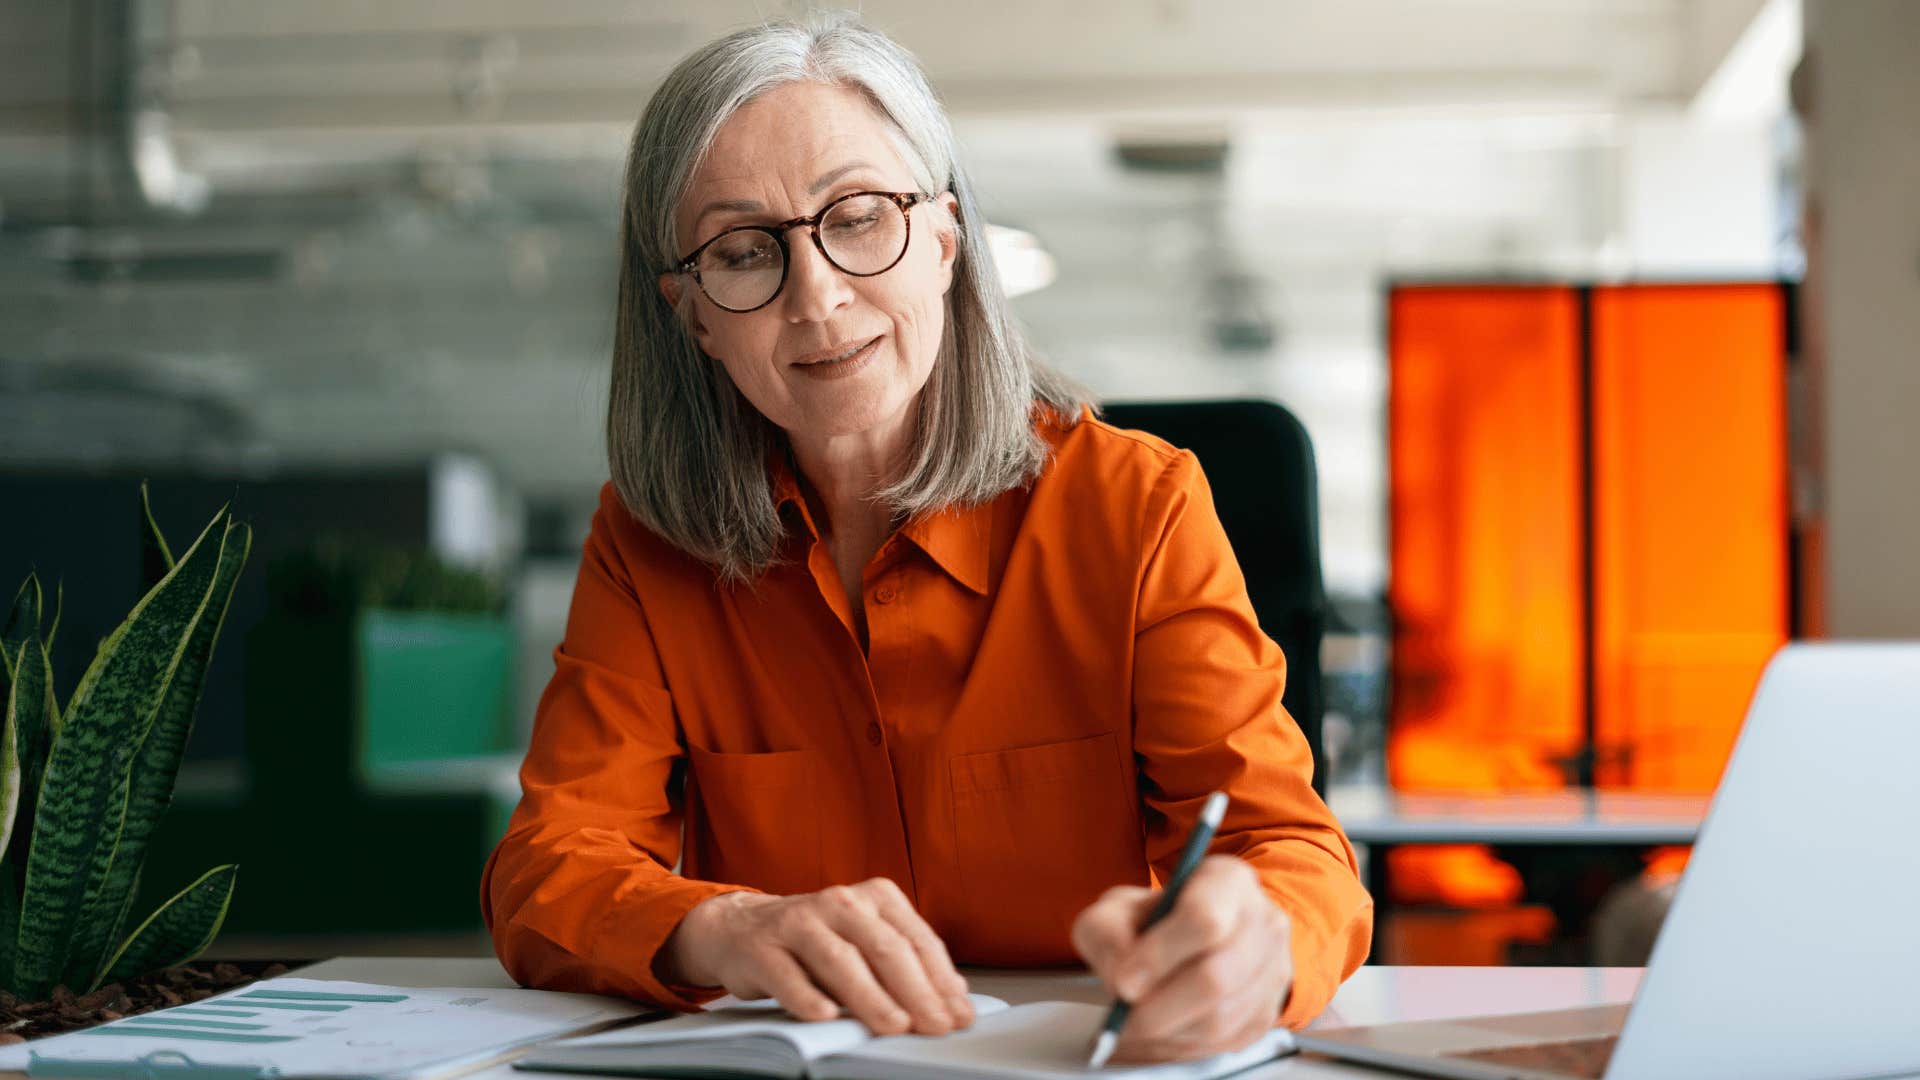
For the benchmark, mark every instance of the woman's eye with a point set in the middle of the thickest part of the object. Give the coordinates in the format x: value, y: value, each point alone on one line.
x: 858, y: 224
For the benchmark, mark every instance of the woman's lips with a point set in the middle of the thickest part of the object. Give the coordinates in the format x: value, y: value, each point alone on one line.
x: 853, y: 365
x: 854, y: 345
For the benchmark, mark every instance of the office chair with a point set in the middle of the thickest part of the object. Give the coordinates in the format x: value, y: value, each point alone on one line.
x: 1259, y: 463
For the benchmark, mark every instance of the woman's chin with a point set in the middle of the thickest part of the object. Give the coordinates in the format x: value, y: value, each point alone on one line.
x: 837, y: 423
x: 852, y: 414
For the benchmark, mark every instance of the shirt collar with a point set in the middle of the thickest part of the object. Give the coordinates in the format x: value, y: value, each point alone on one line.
x: 786, y: 488
x: 955, y: 539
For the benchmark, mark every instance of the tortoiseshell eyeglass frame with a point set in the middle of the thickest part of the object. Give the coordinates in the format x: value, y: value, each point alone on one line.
x: 905, y: 200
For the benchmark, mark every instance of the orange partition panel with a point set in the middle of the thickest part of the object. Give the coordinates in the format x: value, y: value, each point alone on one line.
x: 1690, y: 523
x: 1484, y: 462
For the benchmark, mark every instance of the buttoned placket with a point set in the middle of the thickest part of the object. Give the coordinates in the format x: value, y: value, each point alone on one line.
x: 880, y: 597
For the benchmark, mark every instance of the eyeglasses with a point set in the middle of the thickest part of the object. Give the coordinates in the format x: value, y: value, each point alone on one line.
x: 862, y: 234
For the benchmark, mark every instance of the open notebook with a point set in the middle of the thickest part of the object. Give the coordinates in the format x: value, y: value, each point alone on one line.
x: 758, y: 1038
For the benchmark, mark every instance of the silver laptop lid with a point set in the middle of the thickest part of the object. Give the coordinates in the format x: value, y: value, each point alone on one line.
x: 1793, y: 945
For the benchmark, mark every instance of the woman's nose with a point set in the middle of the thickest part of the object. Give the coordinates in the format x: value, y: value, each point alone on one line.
x: 815, y: 287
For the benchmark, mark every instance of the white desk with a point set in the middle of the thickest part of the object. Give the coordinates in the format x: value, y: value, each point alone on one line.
x: 1373, y: 995
x: 1375, y: 815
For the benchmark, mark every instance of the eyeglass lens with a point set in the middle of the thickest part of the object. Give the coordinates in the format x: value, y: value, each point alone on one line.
x: 862, y: 235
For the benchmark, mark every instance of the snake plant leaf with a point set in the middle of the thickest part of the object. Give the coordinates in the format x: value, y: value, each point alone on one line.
x: 10, y: 784
x: 22, y: 622
x: 22, y: 745
x: 32, y: 735
x: 180, y: 930
x: 11, y: 778
x: 83, y: 949
x: 155, y: 558
x: 26, y: 700
x: 59, y: 602
x: 157, y: 766
x: 9, y: 918
x: 82, y: 801
x: 119, y: 930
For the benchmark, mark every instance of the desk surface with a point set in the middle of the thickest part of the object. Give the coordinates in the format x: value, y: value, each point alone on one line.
x: 1373, y: 995
x: 1377, y: 815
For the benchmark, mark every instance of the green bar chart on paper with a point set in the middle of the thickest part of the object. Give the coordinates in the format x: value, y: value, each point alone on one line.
x: 291, y: 1027
x: 251, y: 1017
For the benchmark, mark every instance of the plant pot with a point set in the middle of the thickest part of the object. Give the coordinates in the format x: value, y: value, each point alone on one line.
x: 65, y: 1011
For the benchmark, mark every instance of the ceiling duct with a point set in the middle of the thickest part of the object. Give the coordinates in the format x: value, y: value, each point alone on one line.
x: 95, y: 131
x: 1233, y: 300
x: 1193, y: 153
x: 99, y: 177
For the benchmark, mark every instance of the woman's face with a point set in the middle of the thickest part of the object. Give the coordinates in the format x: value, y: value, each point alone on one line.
x: 792, y: 151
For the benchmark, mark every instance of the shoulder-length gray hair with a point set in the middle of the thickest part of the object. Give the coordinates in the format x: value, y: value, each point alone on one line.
x: 687, y: 452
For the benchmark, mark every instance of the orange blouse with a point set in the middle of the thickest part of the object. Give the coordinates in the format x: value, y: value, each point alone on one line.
x: 1055, y: 680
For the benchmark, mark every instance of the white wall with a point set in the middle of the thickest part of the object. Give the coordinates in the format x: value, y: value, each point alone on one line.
x: 1698, y: 197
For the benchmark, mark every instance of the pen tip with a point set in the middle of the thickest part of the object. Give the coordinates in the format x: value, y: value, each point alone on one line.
x: 1102, y: 1050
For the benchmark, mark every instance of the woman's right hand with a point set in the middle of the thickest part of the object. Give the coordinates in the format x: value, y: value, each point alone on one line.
x: 859, y: 947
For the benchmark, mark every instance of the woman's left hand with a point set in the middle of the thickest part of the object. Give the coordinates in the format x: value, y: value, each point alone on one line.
x: 1210, y: 977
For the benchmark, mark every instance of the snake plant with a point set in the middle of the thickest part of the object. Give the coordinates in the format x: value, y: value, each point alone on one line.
x: 82, y: 787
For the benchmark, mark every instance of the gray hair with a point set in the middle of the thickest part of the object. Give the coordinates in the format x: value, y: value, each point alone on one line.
x: 687, y: 452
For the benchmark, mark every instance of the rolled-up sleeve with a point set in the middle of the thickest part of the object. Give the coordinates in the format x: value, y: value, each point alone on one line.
x: 1207, y: 715
x: 580, y: 893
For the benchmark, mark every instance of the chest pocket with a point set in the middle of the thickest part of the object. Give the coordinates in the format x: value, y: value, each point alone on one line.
x: 752, y: 819
x: 1040, y: 833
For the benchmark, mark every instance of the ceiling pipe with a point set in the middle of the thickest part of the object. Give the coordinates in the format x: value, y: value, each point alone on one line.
x: 124, y: 157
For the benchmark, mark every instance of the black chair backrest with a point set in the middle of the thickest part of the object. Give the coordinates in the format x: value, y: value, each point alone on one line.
x: 1259, y: 463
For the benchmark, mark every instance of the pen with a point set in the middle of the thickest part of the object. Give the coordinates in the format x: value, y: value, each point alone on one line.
x: 1197, y: 841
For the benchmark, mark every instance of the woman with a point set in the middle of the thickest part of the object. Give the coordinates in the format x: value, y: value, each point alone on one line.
x: 921, y: 661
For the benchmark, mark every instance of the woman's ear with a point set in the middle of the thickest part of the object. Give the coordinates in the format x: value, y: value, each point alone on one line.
x: 948, y: 234
x: 670, y: 286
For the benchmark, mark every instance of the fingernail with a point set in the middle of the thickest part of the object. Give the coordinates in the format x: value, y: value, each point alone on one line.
x: 1127, y: 985
x: 962, y: 1010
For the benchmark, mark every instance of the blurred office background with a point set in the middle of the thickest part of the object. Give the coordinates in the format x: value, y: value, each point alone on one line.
x: 1585, y: 304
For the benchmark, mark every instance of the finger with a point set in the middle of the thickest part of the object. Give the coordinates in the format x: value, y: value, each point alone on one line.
x: 1235, y: 1024
x: 935, y: 961
x: 1169, y: 1028
x: 781, y: 977
x: 1190, y: 996
x: 1206, y: 914
x: 838, y: 966
x: 891, y: 957
x: 1109, y: 926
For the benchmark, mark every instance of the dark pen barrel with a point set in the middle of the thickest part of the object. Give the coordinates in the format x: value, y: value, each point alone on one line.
x: 1196, y: 847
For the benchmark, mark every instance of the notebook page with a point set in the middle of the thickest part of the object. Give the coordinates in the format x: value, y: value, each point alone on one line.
x: 730, y: 1018
x: 1044, y: 1040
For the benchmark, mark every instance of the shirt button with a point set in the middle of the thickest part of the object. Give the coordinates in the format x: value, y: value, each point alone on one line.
x: 884, y: 594
x: 873, y: 734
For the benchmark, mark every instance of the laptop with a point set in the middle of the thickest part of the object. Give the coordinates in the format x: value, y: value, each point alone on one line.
x: 1792, y: 948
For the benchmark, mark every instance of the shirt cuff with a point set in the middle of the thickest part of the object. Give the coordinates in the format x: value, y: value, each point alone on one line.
x: 1312, y: 988
x: 635, y: 928
x: 1319, y: 967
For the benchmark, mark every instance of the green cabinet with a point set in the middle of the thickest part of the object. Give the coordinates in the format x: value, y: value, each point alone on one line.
x: 432, y: 687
